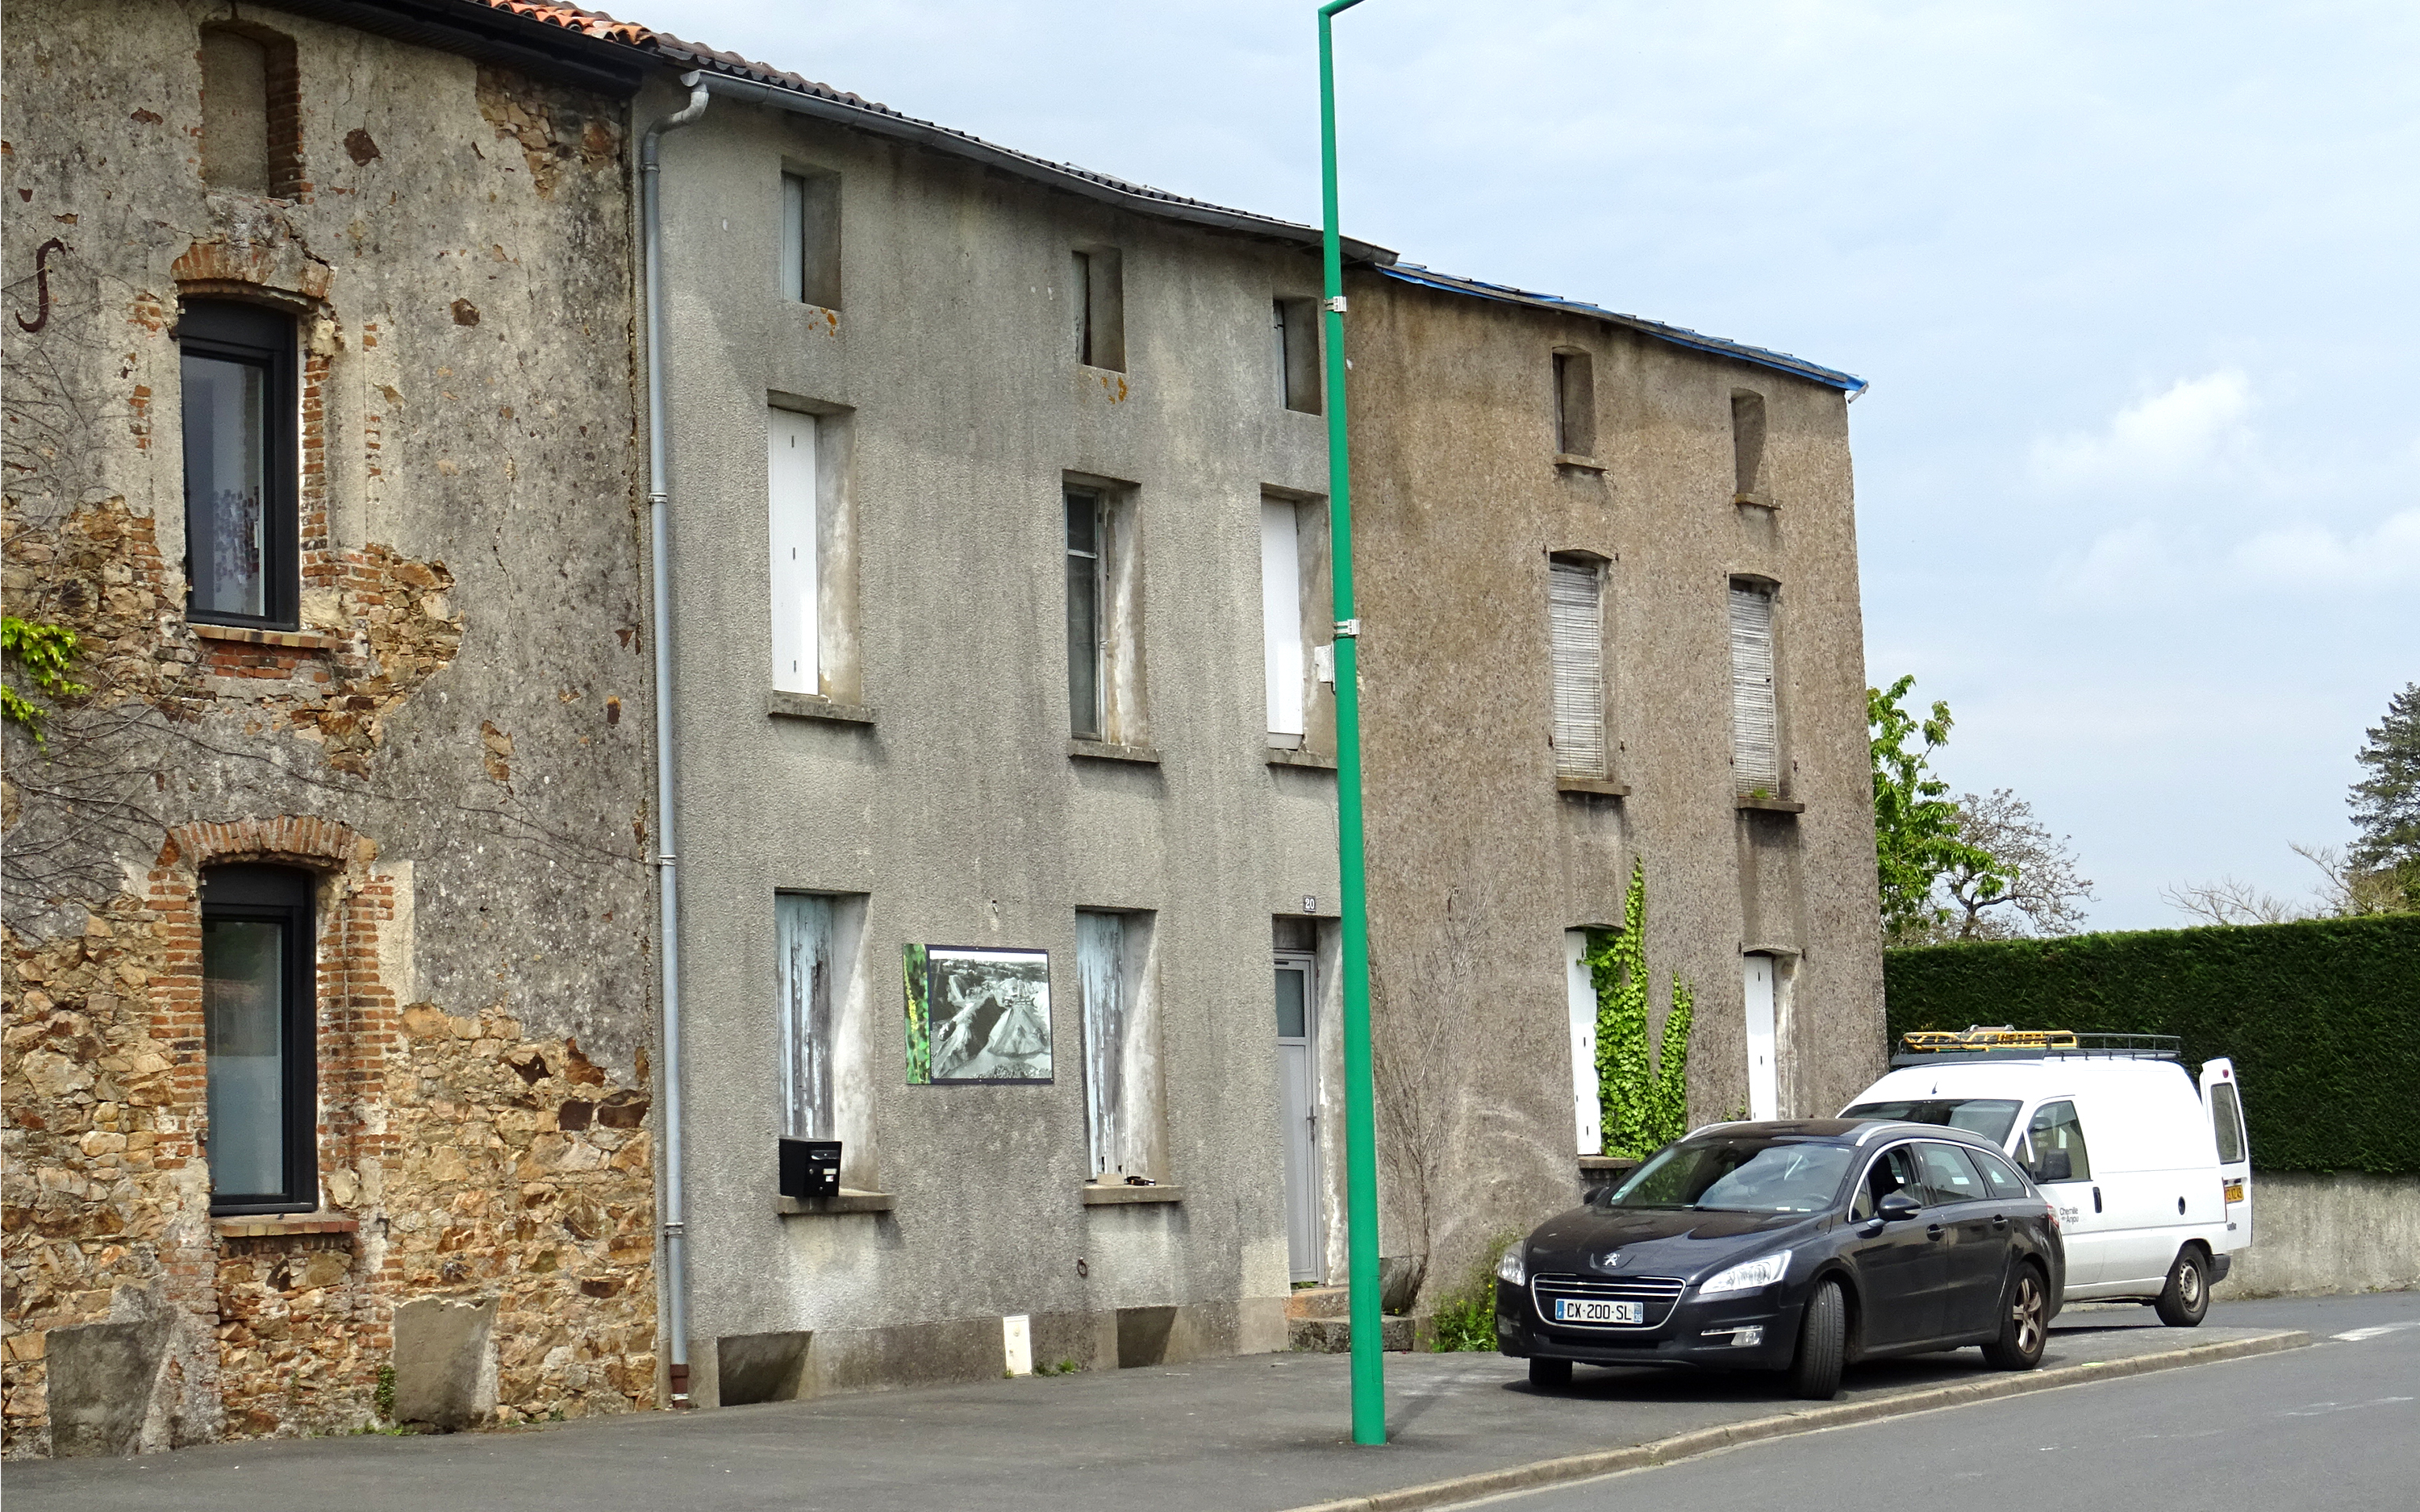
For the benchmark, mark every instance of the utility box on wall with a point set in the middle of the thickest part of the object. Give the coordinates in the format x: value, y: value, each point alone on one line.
x: 810, y: 1167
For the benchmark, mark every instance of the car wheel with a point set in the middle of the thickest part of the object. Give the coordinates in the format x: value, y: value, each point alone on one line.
x: 2025, y: 1324
x: 1823, y: 1345
x: 2185, y: 1300
x: 1550, y: 1375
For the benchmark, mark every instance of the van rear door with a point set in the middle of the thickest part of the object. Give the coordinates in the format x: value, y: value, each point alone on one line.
x: 2224, y: 1100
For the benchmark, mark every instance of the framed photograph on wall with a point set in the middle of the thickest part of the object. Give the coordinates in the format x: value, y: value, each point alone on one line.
x: 977, y: 1015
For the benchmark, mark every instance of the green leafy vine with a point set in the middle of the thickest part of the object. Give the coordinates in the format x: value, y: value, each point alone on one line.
x: 42, y: 653
x: 1644, y: 1102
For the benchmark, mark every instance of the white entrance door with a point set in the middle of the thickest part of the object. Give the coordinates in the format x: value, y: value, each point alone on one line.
x: 1586, y: 1105
x: 1298, y: 1108
x: 1763, y: 1081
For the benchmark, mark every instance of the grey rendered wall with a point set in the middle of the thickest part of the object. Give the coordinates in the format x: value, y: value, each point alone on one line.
x: 1477, y: 863
x: 2321, y: 1233
x: 959, y: 811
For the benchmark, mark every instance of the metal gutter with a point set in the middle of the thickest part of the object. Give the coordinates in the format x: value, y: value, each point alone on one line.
x: 865, y: 116
x: 1677, y: 335
x: 667, y: 856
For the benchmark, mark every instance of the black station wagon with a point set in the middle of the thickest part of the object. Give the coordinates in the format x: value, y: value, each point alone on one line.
x: 1797, y: 1245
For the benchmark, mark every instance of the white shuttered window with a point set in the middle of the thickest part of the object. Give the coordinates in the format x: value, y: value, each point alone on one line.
x: 790, y: 495
x: 1756, y: 726
x: 1575, y: 612
x: 1282, y: 616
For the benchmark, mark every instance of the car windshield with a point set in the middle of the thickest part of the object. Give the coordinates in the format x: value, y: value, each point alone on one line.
x: 1987, y: 1115
x: 1737, y: 1175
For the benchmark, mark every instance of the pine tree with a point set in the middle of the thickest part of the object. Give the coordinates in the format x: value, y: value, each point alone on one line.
x: 2386, y: 804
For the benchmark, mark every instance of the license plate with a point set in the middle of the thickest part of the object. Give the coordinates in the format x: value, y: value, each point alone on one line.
x: 1588, y: 1310
x: 2233, y: 1191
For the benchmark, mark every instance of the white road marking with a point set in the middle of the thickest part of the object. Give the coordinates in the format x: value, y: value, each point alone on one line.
x: 2356, y: 1336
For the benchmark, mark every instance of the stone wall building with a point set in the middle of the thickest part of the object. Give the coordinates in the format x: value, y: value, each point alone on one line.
x: 1607, y: 580
x: 328, y: 948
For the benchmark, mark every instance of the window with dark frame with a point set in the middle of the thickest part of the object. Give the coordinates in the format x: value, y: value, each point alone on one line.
x: 242, y: 540
x: 259, y: 1039
x: 1084, y: 593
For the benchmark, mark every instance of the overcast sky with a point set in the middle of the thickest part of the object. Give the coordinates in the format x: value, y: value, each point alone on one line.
x: 2138, y: 481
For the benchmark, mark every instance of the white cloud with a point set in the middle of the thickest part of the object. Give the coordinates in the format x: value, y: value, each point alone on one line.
x: 2193, y: 425
x: 2314, y: 556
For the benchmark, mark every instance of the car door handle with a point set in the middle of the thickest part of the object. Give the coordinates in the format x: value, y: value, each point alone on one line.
x: 1933, y: 1230
x: 1999, y: 1220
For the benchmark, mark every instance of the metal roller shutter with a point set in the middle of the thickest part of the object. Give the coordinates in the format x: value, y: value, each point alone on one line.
x: 1575, y: 612
x: 1755, y: 735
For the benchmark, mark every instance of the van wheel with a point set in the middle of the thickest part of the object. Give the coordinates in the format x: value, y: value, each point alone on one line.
x: 2025, y: 1324
x: 2185, y: 1300
x: 1823, y: 1345
x: 1549, y: 1375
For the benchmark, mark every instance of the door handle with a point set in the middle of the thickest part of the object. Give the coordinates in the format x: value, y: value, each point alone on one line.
x: 1933, y: 1230
x: 2096, y: 1199
x: 1999, y: 1220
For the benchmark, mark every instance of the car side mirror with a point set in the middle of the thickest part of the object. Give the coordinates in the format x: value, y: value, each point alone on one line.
x: 2054, y: 1166
x: 1897, y: 1208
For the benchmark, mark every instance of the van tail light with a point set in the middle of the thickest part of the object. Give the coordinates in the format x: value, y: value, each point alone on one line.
x: 2053, y: 1218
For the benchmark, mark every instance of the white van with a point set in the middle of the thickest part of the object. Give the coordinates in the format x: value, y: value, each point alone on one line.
x: 2151, y: 1174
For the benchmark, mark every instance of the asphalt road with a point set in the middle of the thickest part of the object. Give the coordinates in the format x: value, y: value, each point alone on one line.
x: 2335, y: 1427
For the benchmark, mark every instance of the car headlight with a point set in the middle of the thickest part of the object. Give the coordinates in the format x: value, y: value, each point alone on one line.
x: 1761, y: 1271
x: 1510, y: 1267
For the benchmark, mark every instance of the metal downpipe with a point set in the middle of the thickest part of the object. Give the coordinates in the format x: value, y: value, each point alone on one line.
x: 668, y: 875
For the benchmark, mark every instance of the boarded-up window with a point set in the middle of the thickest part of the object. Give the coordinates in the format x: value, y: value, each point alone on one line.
x: 1282, y: 617
x: 805, y: 988
x: 1756, y: 725
x: 790, y: 501
x: 1100, y: 308
x: 1121, y: 1045
x: 1576, y: 612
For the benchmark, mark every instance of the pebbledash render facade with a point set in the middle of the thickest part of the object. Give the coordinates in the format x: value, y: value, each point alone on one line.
x: 359, y: 795
x: 999, y: 621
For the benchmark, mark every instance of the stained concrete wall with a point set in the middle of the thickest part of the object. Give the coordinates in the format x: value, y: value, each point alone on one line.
x: 454, y: 740
x: 2325, y: 1233
x: 957, y: 810
x: 1477, y: 862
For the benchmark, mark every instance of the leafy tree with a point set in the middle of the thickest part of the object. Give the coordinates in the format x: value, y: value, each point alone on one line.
x: 2386, y: 804
x: 1919, y: 838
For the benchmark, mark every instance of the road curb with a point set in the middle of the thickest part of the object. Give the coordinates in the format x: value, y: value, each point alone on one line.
x: 1569, y: 1468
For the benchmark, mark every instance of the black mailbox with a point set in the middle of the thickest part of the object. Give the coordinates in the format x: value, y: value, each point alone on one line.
x: 810, y: 1167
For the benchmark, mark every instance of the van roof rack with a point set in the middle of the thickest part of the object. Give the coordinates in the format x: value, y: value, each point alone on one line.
x: 2002, y: 1041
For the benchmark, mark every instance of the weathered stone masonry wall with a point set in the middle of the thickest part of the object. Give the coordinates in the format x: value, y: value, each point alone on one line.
x: 452, y: 742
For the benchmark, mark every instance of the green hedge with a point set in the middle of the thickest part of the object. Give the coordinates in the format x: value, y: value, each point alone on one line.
x: 2321, y: 1019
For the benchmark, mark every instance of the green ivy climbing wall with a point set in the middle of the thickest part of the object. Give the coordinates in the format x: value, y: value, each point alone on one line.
x: 1644, y: 1101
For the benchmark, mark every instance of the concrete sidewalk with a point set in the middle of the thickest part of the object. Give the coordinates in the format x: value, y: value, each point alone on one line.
x: 1260, y: 1433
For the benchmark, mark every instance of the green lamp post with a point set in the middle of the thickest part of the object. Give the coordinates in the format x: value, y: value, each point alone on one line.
x: 1361, y: 1116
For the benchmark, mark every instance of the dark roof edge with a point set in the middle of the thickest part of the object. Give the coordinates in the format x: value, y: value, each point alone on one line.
x: 489, y: 36
x: 1678, y: 336
x: 721, y: 79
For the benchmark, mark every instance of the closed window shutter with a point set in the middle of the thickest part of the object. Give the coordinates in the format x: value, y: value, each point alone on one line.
x: 1756, y: 735
x: 790, y: 508
x: 1576, y: 612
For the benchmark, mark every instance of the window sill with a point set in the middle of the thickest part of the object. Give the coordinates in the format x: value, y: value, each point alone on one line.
x: 1761, y: 501
x: 1118, y: 1196
x: 1771, y: 805
x: 849, y: 1200
x: 782, y: 706
x: 1103, y: 750
x: 1578, y: 463
x: 1596, y: 786
x: 289, y: 640
x: 1280, y: 756
x: 281, y: 1225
